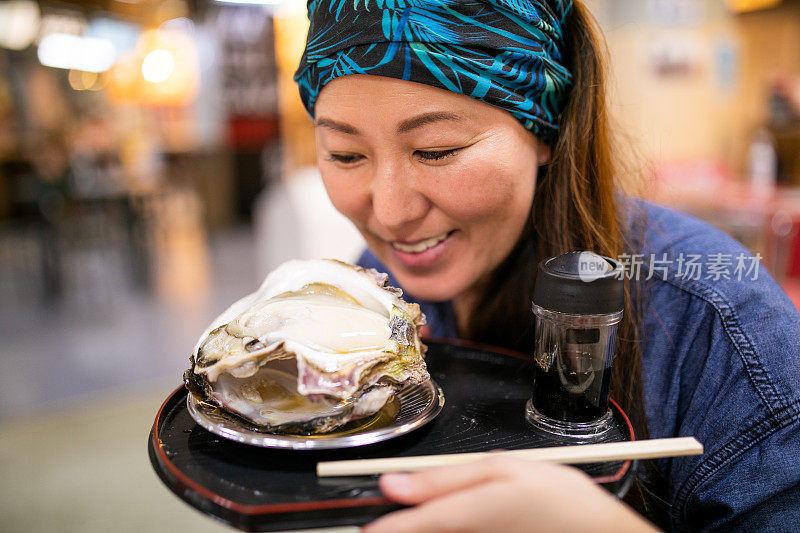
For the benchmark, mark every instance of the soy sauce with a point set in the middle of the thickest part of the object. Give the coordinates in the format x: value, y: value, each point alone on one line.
x: 571, y: 395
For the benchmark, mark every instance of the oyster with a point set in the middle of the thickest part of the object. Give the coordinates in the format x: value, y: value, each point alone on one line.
x: 319, y: 344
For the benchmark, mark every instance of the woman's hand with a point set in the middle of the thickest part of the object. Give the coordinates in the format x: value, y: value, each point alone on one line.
x: 502, y: 495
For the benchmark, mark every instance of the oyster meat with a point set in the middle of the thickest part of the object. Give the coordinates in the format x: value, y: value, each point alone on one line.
x: 319, y: 344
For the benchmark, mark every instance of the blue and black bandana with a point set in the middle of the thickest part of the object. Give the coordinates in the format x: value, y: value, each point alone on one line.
x: 507, y: 53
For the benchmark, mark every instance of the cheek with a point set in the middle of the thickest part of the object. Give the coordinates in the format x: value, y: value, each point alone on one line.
x: 489, y: 189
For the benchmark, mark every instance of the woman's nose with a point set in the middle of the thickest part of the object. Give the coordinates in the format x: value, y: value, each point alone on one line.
x: 396, y: 200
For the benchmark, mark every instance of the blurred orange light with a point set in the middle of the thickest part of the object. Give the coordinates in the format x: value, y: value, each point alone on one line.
x: 81, y: 80
x: 743, y: 6
x: 163, y: 70
x: 124, y: 81
x: 158, y: 66
x: 170, y: 73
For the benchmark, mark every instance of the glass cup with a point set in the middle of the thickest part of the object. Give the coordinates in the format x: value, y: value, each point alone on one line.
x: 576, y: 327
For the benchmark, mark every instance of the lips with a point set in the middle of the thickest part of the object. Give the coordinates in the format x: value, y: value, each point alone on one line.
x: 420, y: 246
x: 423, y: 254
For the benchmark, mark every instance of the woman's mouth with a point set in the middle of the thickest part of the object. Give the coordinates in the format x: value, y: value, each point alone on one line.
x: 422, y: 253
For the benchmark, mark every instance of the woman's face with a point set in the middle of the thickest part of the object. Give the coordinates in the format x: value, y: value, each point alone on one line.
x: 439, y: 184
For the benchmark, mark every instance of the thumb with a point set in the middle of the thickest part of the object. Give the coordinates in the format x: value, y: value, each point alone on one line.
x: 411, y: 489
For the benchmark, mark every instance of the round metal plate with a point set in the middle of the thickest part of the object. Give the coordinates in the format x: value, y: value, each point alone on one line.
x: 416, y: 405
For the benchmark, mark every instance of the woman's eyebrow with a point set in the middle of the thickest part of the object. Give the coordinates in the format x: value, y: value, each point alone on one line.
x: 424, y: 119
x: 404, y: 127
x: 336, y: 126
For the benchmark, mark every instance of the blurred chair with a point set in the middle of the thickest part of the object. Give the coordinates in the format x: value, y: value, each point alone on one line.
x: 58, y: 244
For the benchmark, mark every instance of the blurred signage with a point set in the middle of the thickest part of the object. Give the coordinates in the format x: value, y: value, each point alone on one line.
x: 252, y: 132
x: 675, y: 11
x: 674, y: 57
x: 249, y: 74
x: 660, y: 12
x: 251, y: 2
x: 257, y: 2
x: 726, y: 63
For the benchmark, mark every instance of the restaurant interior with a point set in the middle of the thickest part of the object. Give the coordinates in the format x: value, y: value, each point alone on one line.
x: 156, y: 162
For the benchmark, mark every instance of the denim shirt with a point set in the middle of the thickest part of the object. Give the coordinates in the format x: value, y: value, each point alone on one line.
x: 720, y: 362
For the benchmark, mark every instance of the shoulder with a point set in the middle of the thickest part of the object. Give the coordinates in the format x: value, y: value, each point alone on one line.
x: 721, y: 361
x: 663, y: 230
x: 692, y: 272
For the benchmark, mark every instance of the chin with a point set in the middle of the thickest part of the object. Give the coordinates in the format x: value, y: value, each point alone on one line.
x: 441, y: 286
x: 434, y: 289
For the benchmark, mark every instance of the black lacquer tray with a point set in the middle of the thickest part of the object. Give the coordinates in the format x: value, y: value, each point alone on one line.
x: 258, y: 489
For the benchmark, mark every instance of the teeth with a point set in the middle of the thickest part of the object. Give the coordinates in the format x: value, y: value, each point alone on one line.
x: 420, y: 246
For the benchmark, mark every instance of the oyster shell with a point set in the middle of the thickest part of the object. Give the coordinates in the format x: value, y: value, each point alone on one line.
x: 319, y: 344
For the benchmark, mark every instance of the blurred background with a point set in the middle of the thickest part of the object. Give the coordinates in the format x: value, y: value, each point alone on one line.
x: 156, y: 163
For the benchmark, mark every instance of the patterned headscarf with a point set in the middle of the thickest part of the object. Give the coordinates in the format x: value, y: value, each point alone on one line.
x: 507, y: 53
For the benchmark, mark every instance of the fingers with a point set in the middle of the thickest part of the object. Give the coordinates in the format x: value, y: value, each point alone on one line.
x: 546, y: 501
x: 418, y: 487
x: 464, y: 511
x: 422, y: 486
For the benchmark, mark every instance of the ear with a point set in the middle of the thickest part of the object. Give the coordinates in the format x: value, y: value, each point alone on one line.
x: 543, y: 152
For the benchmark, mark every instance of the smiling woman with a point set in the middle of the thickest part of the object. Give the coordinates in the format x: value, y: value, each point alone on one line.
x: 441, y: 186
x: 469, y: 140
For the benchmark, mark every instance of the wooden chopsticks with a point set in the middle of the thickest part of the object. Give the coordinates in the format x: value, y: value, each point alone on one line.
x: 587, y: 453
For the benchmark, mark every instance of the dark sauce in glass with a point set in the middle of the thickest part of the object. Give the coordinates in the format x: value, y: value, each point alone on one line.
x: 571, y: 396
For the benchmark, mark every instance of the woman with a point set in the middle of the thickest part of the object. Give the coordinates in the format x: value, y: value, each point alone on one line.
x: 467, y: 140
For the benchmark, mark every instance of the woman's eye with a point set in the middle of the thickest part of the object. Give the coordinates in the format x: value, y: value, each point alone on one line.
x: 344, y: 158
x: 436, y: 155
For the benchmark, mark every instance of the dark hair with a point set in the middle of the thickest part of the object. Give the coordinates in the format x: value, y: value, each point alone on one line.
x: 579, y: 204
